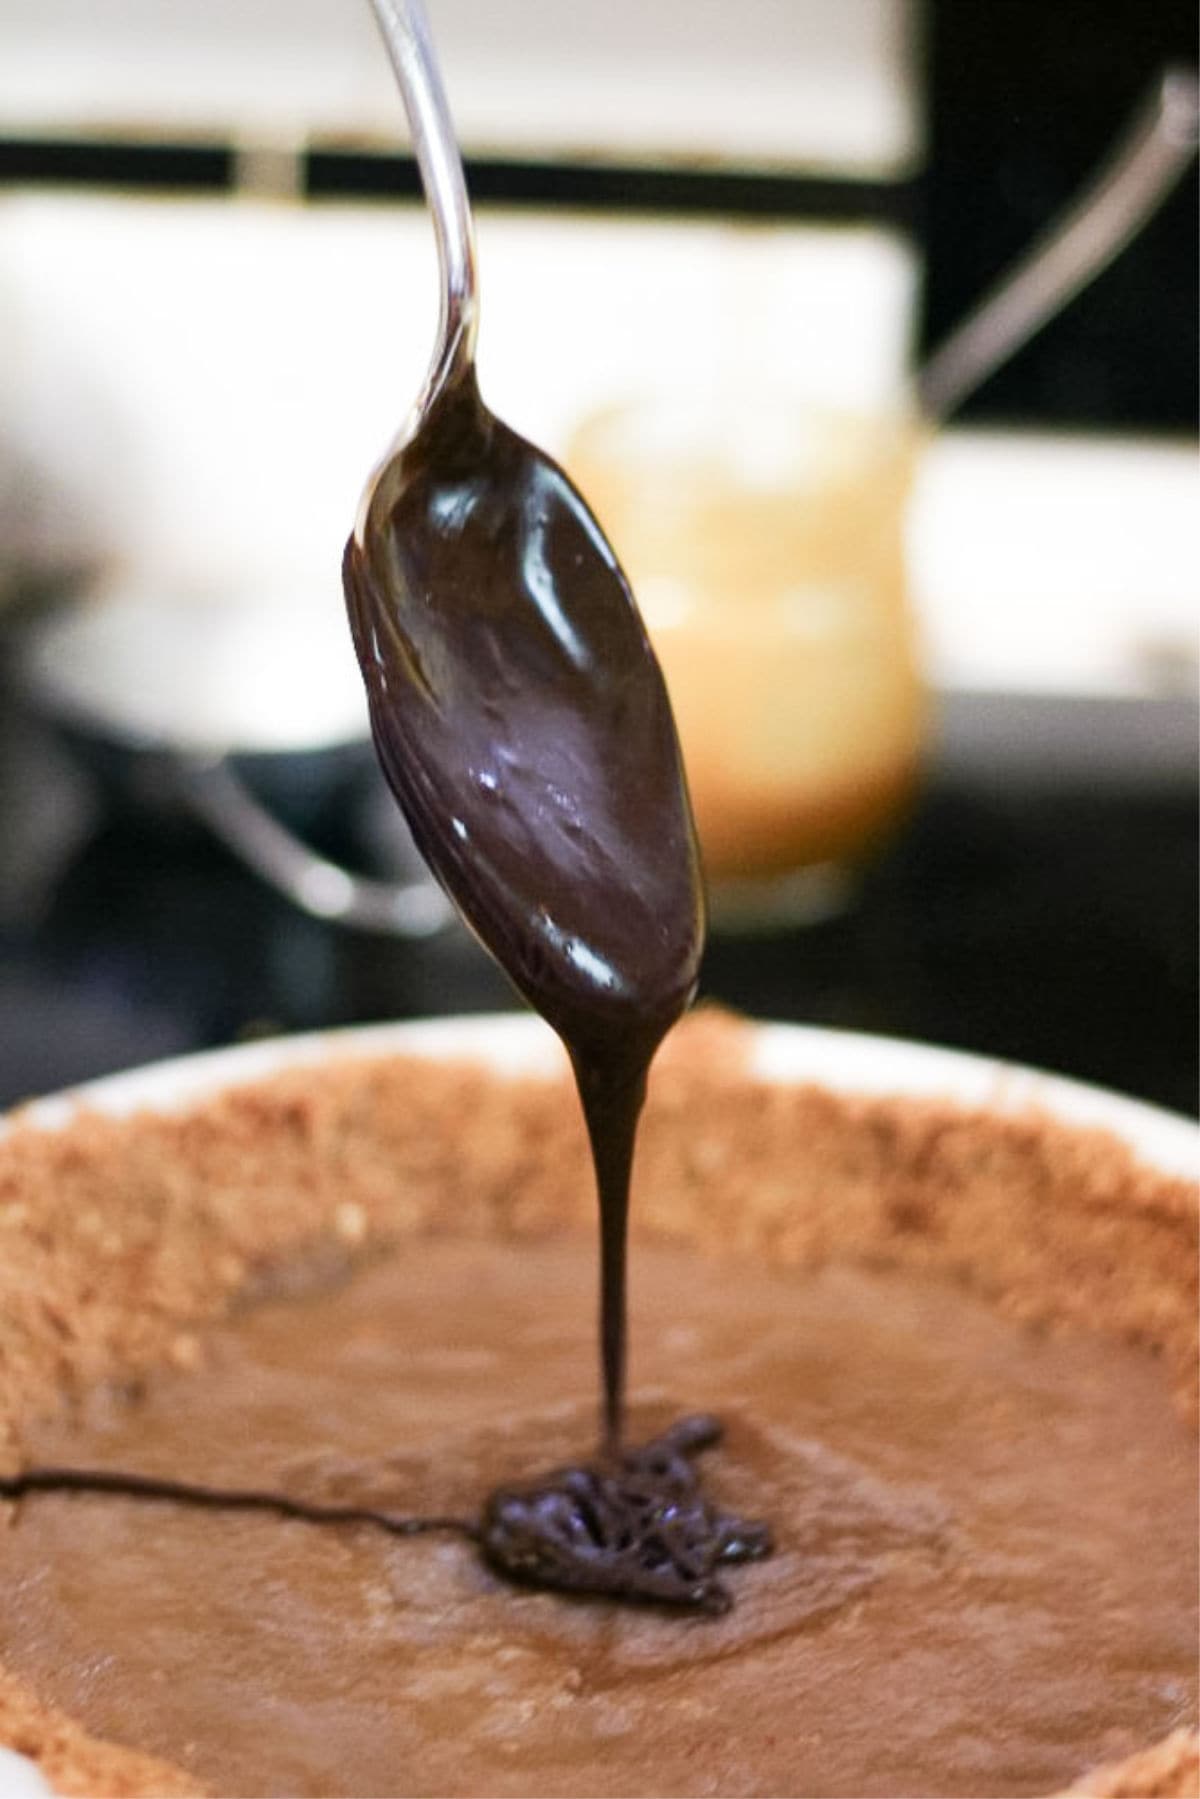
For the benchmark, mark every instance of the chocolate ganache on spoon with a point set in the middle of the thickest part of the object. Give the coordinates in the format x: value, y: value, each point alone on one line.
x: 521, y: 719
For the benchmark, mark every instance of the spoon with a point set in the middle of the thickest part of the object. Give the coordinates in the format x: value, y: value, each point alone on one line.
x: 1155, y: 151
x: 519, y: 712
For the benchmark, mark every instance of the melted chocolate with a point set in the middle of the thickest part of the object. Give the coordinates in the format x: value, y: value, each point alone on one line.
x: 155, y: 1489
x: 642, y: 1530
x: 521, y: 719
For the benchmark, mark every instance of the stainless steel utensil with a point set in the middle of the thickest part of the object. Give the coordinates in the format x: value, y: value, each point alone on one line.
x: 1106, y: 216
x: 188, y: 683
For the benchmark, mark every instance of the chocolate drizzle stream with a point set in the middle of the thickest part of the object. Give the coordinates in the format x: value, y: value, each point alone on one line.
x: 521, y: 719
x: 156, y: 1489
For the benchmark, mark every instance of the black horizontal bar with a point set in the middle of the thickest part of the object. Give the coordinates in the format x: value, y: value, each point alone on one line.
x: 336, y: 174
x: 105, y: 162
x: 609, y: 187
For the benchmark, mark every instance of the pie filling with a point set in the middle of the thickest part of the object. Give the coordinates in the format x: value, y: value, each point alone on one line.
x: 984, y: 1577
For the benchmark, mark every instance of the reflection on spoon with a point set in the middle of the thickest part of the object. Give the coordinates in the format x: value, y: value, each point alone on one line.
x: 523, y: 724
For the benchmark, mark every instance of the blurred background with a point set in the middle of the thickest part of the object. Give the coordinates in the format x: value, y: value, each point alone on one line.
x: 937, y: 678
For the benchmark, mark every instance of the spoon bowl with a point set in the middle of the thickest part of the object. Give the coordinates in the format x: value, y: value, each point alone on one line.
x: 521, y: 719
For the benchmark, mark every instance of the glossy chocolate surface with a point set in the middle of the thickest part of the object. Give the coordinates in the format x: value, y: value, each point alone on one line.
x: 523, y: 724
x: 522, y: 721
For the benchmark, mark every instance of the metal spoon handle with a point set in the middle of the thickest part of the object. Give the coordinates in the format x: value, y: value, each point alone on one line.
x: 219, y: 796
x: 1144, y: 168
x: 406, y: 35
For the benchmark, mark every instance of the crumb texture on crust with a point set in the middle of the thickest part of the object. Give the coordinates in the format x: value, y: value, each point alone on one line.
x: 1171, y: 1770
x: 121, y: 1238
x: 74, y: 1763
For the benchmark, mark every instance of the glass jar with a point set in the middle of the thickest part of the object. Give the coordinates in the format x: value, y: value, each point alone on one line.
x: 765, y: 541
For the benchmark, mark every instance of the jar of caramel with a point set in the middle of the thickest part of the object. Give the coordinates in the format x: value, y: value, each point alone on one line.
x: 765, y: 540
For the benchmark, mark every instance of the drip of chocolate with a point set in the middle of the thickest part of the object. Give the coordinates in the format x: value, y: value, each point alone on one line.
x: 640, y: 1530
x: 159, y: 1490
x: 522, y: 721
